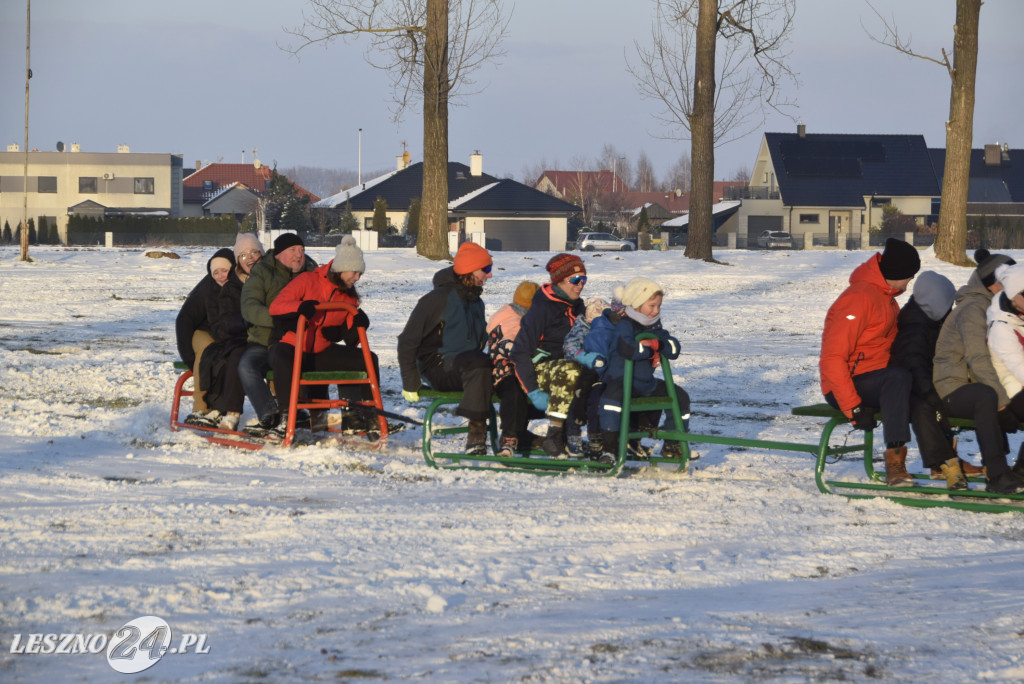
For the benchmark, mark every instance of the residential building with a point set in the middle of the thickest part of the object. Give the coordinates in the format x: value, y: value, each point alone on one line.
x: 512, y: 216
x: 217, y: 189
x: 98, y: 183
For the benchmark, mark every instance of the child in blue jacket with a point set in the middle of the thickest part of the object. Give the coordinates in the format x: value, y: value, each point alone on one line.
x: 613, y: 336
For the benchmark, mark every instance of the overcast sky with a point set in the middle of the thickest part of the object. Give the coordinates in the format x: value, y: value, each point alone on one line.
x: 207, y: 79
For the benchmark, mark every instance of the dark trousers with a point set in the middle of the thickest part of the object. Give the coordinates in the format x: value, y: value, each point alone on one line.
x: 611, y: 406
x: 888, y: 390
x: 934, y: 436
x: 980, y: 403
x: 469, y: 372
x: 335, y: 358
x: 231, y: 396
x: 515, y: 410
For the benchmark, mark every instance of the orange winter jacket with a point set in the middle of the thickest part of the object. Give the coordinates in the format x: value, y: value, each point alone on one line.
x: 313, y: 285
x: 859, y: 331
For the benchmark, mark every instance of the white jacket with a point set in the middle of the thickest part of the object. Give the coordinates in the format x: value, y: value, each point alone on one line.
x: 1006, y: 344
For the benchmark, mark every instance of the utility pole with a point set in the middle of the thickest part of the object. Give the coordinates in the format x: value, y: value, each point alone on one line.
x: 28, y: 75
x: 359, y: 178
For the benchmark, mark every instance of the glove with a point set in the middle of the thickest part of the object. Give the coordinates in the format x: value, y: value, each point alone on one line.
x: 1008, y: 421
x: 539, y: 398
x: 670, y: 347
x: 863, y: 418
x: 360, y: 320
x: 653, y: 344
x: 308, y: 308
x: 591, y: 359
x: 411, y: 397
x: 334, y: 333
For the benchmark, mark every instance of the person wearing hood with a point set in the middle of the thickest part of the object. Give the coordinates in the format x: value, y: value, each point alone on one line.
x: 442, y: 343
x: 266, y: 280
x: 964, y: 374
x: 918, y: 326
x: 192, y: 326
x: 855, y: 344
x: 1006, y: 342
x: 325, y: 331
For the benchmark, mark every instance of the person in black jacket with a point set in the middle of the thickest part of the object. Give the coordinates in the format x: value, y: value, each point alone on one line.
x: 918, y: 326
x: 549, y: 379
x: 192, y: 327
x: 444, y: 338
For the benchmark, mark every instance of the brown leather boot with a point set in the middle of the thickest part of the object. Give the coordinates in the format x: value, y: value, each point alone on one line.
x: 896, y: 474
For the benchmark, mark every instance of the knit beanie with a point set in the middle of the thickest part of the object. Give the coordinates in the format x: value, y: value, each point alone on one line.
x: 222, y: 258
x: 934, y: 293
x: 1012, y: 280
x: 637, y: 291
x: 470, y: 257
x: 595, y: 307
x: 348, y: 257
x: 563, y: 265
x: 900, y: 260
x: 247, y: 242
x: 987, y: 264
x: 285, y: 241
x: 524, y: 294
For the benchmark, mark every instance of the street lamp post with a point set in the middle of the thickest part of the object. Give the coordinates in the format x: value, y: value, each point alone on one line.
x: 28, y: 75
x: 359, y: 177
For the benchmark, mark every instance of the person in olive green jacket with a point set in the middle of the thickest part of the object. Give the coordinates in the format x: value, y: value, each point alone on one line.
x: 286, y: 260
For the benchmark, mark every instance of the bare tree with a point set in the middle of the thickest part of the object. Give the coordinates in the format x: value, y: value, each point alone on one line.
x: 644, y: 173
x: 713, y: 98
x: 679, y: 175
x: 951, y: 236
x: 742, y: 174
x: 430, y: 50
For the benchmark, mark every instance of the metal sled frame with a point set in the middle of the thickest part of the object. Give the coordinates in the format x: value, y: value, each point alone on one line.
x: 245, y: 441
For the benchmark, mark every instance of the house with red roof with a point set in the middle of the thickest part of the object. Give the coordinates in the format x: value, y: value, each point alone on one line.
x: 206, y: 190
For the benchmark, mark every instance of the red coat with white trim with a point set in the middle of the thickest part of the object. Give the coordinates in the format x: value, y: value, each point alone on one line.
x: 313, y: 285
x: 859, y: 331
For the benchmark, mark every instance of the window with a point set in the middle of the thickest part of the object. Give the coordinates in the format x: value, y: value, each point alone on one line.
x: 207, y: 185
x: 880, y: 201
x: 368, y: 223
x: 809, y: 218
x: 143, y: 186
x: 47, y: 184
x: 87, y: 184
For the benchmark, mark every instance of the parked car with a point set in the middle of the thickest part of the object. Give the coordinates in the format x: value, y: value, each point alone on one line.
x: 589, y: 242
x: 774, y: 239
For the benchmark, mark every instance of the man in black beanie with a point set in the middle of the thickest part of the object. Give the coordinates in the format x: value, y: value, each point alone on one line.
x: 859, y: 330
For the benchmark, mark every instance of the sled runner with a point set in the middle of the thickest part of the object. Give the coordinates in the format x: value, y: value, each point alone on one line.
x: 304, y: 379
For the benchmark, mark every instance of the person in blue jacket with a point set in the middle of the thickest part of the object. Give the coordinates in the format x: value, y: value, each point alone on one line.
x: 612, y: 337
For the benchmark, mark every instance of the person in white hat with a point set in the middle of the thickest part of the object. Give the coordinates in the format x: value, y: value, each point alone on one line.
x: 1006, y: 342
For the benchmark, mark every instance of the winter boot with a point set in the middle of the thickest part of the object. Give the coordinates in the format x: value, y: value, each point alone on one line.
x: 574, y: 445
x: 259, y: 428
x: 610, y: 442
x: 476, y: 440
x: 637, y: 451
x: 554, y: 443
x: 318, y: 420
x: 595, y: 448
x: 896, y: 474
x: 230, y: 421
x: 208, y: 420
x: 955, y: 480
x: 509, y: 447
x: 671, y: 449
x: 1007, y: 483
x: 967, y: 468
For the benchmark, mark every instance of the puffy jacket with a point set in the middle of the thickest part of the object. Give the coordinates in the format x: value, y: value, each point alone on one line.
x: 859, y: 330
x: 266, y: 280
x: 543, y: 328
x: 193, y: 314
x: 326, y: 327
x: 447, y: 321
x: 962, y: 354
x: 508, y: 319
x: 914, y: 346
x: 613, y: 336
x: 1006, y: 342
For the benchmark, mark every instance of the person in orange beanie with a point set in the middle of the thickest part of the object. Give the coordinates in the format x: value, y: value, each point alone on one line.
x: 443, y: 341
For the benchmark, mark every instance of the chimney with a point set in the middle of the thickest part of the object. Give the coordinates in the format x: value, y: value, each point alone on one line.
x: 199, y: 164
x: 75, y: 147
x: 403, y: 160
x: 476, y: 164
x: 123, y: 149
x: 993, y: 156
x: 801, y: 130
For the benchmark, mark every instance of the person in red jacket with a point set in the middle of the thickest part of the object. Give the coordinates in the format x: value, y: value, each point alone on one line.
x: 859, y: 331
x: 333, y: 282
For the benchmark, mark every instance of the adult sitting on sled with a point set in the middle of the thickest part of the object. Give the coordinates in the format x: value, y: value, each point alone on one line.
x: 443, y: 340
x: 855, y: 344
x: 333, y: 282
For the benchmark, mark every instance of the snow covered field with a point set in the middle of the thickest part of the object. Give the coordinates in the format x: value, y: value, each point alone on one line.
x: 323, y: 564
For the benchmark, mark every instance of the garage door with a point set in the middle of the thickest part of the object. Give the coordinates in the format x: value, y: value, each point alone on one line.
x: 758, y: 224
x: 517, y: 236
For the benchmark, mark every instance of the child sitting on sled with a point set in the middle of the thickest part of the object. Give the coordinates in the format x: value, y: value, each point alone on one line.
x: 613, y: 336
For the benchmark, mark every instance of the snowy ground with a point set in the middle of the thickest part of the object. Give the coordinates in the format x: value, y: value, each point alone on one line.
x: 327, y: 564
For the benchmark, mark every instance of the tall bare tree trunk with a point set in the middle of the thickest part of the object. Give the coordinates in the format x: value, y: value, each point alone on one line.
x: 432, y: 241
x: 702, y: 135
x: 951, y: 238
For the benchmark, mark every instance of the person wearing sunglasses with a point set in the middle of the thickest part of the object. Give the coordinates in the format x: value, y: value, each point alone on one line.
x: 549, y: 379
x: 443, y: 340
